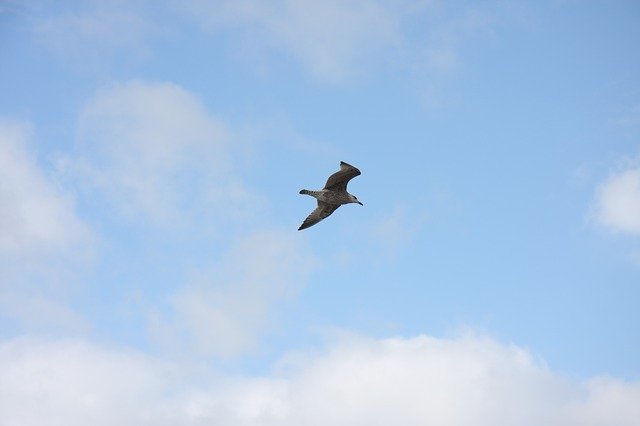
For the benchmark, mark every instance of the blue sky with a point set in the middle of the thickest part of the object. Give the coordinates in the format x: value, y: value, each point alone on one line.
x: 151, y: 271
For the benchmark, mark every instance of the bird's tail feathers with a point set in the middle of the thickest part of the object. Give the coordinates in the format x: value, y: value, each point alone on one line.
x: 304, y: 192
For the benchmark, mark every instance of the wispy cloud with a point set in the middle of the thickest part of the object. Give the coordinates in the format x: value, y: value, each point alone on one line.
x: 94, y: 30
x: 41, y: 236
x: 36, y: 215
x: 37, y: 311
x: 617, y: 202
x: 158, y: 156
x: 329, y: 38
x: 227, y: 309
x: 333, y: 40
x: 466, y: 380
x: 339, y: 40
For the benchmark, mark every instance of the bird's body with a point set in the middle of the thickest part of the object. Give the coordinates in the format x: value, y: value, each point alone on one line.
x: 332, y: 196
x: 328, y: 196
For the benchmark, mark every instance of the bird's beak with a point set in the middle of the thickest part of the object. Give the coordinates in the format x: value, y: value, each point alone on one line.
x: 360, y: 203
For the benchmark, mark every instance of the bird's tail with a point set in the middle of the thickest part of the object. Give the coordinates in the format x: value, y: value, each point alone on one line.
x: 304, y: 192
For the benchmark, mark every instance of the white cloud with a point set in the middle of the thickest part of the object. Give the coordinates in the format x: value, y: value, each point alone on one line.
x: 333, y: 39
x: 330, y: 38
x: 74, y: 383
x: 341, y: 41
x: 617, y: 202
x: 468, y: 380
x: 41, y: 237
x: 607, y: 401
x: 228, y: 309
x: 90, y: 31
x: 159, y: 156
x: 40, y: 312
x: 36, y: 216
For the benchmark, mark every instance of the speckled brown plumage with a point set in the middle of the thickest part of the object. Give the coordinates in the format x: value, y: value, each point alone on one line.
x: 332, y: 196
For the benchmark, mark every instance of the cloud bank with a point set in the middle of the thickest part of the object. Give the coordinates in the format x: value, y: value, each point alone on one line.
x: 467, y: 380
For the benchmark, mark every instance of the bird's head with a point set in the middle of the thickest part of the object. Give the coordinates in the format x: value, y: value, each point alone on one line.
x: 355, y: 200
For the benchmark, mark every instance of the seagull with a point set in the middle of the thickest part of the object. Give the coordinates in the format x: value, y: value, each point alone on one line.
x: 332, y: 196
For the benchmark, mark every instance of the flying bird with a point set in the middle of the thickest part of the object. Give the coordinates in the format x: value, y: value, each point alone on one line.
x: 332, y: 196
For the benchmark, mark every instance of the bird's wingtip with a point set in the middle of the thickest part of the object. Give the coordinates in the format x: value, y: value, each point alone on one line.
x: 345, y: 164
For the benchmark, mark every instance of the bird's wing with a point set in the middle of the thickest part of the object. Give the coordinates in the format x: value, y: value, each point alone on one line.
x: 322, y: 211
x: 339, y: 180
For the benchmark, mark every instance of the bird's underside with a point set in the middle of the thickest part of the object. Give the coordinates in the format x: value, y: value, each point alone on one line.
x: 323, y: 211
x: 332, y: 196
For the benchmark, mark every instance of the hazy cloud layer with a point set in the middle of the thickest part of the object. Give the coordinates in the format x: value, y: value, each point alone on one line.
x: 90, y: 32
x: 328, y: 37
x: 159, y: 156
x: 42, y: 239
x: 462, y: 381
x: 333, y: 40
x: 228, y: 308
x: 36, y: 216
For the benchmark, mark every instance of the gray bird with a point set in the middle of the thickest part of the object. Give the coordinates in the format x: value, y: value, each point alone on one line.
x: 332, y: 196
